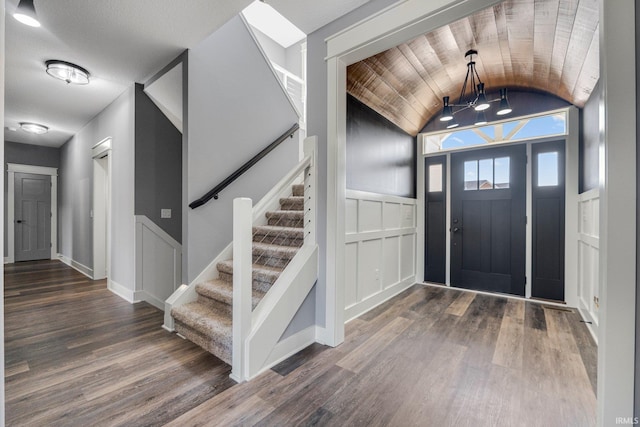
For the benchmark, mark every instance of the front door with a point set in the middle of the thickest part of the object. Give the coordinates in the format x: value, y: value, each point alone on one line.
x: 488, y: 219
x: 32, y: 217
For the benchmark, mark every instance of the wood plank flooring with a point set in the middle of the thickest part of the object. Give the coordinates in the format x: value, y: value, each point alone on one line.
x: 433, y: 356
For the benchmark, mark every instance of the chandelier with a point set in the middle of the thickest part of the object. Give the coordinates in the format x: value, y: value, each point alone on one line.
x: 473, y: 96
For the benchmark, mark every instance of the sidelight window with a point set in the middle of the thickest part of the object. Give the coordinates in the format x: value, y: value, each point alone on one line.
x: 548, y: 169
x: 435, y: 178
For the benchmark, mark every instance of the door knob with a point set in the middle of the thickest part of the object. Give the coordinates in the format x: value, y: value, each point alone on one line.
x: 18, y: 221
x: 456, y: 229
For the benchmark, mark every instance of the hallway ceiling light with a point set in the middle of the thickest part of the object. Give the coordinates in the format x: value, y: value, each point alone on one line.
x: 34, y: 128
x: 473, y: 95
x: 68, y: 72
x: 26, y: 13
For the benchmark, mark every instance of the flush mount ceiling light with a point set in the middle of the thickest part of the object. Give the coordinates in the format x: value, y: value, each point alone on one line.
x: 68, y: 72
x: 26, y: 13
x: 473, y: 97
x: 34, y: 128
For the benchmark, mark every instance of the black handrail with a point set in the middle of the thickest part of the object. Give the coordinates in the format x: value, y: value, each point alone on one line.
x: 213, y: 194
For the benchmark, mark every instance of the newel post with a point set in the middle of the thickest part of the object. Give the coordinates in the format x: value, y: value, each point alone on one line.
x: 310, y: 190
x: 242, y: 262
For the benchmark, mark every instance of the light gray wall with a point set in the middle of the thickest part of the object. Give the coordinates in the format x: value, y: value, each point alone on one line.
x: 294, y: 58
x: 590, y: 141
x: 317, y: 123
x: 26, y: 154
x: 236, y: 107
x: 275, y: 52
x: 158, y: 165
x: 76, y: 189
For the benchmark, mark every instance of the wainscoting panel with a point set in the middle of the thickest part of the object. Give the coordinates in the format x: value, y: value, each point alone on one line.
x: 380, y: 249
x: 588, y: 257
x: 158, y: 263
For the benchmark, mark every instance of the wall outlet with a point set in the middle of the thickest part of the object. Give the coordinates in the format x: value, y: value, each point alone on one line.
x: 596, y: 301
x: 165, y: 213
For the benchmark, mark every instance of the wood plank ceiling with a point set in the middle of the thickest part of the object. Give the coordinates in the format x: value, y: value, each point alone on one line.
x: 538, y: 45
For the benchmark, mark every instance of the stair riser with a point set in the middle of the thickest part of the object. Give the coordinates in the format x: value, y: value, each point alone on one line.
x: 287, y: 205
x: 278, y: 240
x: 219, y: 350
x: 298, y: 190
x: 216, y: 305
x: 259, y: 283
x: 286, y: 222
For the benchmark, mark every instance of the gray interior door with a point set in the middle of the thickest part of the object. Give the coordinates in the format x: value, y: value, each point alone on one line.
x: 488, y: 219
x: 32, y: 217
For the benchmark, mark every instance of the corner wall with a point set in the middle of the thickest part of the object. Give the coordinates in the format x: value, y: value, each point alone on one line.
x: 76, y: 190
x: 317, y: 119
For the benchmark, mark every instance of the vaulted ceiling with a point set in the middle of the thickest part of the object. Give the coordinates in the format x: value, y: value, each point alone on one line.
x: 539, y: 45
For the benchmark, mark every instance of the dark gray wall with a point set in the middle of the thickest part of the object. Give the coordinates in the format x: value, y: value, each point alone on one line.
x: 590, y: 141
x: 522, y: 102
x: 158, y: 169
x: 26, y: 154
x: 381, y: 158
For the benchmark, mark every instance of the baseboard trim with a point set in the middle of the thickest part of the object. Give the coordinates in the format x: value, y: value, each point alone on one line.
x: 375, y: 300
x: 145, y: 296
x: 123, y: 292
x: 287, y: 348
x: 76, y: 266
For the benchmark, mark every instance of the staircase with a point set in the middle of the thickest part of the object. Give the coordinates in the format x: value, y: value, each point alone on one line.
x: 207, y: 321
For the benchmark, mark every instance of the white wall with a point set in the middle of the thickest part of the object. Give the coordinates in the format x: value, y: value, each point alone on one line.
x: 380, y: 249
x: 588, y: 256
x: 76, y: 191
x: 236, y: 107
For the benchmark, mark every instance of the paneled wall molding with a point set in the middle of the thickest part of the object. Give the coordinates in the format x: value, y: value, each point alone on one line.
x: 588, y: 256
x: 380, y: 249
x: 158, y: 263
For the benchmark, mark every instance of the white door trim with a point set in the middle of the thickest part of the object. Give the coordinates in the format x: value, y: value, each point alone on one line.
x: 12, y: 168
x: 390, y: 27
x: 102, y: 240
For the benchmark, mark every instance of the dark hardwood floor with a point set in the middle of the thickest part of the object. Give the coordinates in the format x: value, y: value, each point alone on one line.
x: 75, y: 354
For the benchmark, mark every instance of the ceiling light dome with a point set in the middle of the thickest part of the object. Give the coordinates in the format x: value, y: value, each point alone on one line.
x: 68, y: 72
x: 26, y: 13
x: 34, y: 128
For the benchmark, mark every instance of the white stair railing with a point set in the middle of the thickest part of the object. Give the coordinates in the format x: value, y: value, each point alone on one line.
x: 246, y: 323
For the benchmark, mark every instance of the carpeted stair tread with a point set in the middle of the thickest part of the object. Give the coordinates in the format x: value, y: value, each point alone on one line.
x: 263, y: 276
x: 222, y: 291
x: 294, y: 203
x: 274, y: 234
x: 280, y: 251
x: 298, y: 190
x: 211, y: 329
x: 286, y: 218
